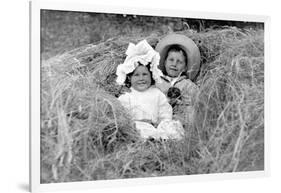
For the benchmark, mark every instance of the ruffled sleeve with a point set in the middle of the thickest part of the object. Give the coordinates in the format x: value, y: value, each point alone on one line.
x: 165, y: 110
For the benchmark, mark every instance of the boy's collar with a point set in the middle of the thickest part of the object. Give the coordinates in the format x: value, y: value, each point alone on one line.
x: 173, y: 79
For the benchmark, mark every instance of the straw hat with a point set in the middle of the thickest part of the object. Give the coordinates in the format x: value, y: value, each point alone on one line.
x: 187, y: 45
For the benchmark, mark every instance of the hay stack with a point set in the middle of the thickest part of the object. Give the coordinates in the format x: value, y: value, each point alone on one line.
x: 87, y: 135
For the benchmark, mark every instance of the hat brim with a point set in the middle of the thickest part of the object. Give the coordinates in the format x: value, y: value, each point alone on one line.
x: 187, y: 45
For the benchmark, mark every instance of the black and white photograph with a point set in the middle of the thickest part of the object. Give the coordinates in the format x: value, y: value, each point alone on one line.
x: 138, y: 96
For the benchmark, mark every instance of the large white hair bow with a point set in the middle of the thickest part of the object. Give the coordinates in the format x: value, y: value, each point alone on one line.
x: 142, y: 53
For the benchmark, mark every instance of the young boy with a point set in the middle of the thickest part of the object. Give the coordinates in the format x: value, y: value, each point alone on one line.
x: 179, y: 62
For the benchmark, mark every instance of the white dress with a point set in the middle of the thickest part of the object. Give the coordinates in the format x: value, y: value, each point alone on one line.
x: 152, y: 105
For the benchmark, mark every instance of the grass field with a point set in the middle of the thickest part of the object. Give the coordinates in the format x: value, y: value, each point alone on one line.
x: 87, y: 135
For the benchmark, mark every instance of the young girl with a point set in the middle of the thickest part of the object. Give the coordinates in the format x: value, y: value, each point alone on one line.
x: 147, y: 104
x: 180, y: 62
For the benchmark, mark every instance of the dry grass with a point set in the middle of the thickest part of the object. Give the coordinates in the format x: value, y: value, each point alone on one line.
x: 87, y: 135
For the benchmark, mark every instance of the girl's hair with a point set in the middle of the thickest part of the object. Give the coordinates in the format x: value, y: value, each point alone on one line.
x: 128, y: 77
x: 176, y: 48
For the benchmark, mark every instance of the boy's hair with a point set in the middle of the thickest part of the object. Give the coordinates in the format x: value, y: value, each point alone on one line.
x: 176, y: 48
x: 128, y: 77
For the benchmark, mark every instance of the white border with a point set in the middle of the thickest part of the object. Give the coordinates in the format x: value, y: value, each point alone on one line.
x: 35, y: 185
x: 71, y: 6
x: 35, y: 97
x: 267, y: 84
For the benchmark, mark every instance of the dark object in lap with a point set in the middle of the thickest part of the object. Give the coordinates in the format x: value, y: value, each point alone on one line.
x: 174, y: 95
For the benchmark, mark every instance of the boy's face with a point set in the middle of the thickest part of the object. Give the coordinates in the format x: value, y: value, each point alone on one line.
x: 175, y: 64
x: 141, y: 78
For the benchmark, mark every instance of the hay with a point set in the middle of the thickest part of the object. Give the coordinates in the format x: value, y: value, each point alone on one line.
x: 87, y: 135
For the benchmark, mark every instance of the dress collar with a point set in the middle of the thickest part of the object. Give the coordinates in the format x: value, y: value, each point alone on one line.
x: 135, y: 91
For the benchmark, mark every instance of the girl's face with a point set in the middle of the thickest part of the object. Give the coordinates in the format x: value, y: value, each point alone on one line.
x: 175, y: 63
x: 141, y: 78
